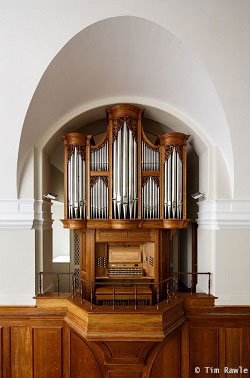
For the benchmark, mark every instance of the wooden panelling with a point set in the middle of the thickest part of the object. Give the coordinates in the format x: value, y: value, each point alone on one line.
x: 167, y: 362
x: 82, y: 361
x: 38, y: 343
x: 1, y: 352
x: 66, y: 351
x: 203, y: 350
x: 141, y: 235
x: 6, y: 351
x: 246, y: 348
x: 124, y: 375
x: 233, y: 349
x: 125, y: 235
x: 110, y: 235
x: 21, y: 352
x: 47, y: 346
x: 128, y: 350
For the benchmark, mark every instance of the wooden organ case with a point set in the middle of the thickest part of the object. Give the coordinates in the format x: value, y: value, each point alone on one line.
x: 124, y: 197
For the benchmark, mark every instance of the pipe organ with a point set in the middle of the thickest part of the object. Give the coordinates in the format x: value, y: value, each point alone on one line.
x: 123, y: 196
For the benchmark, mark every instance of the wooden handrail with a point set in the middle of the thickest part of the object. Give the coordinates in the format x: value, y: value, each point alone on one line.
x: 173, y: 278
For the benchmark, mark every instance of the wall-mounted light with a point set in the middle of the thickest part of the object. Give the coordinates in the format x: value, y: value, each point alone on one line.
x: 197, y: 196
x: 50, y: 196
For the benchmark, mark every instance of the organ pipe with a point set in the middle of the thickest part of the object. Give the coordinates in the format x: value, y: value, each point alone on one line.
x: 169, y: 185
x: 174, y: 183
x: 135, y: 199
x: 173, y: 176
x: 125, y: 157
x: 75, y: 168
x: 131, y: 174
x: 150, y: 199
x: 99, y: 158
x: 161, y: 168
x: 99, y: 200
x: 125, y: 174
x: 150, y: 158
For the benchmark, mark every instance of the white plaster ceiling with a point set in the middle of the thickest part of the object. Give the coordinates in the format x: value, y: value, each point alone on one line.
x: 126, y: 59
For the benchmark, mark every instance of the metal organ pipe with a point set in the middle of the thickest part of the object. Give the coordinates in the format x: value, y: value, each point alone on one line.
x: 173, y: 176
x: 166, y: 189
x: 174, y: 183
x: 125, y: 170
x: 125, y: 174
x: 84, y: 188
x: 179, y: 187
x: 158, y: 199
x: 150, y: 158
x: 150, y: 199
x: 99, y: 200
x: 76, y: 186
x: 80, y: 185
x: 147, y: 200
x: 150, y: 161
x: 153, y: 198
x: 75, y: 183
x: 115, y: 171
x: 70, y: 203
x: 135, y: 178
x: 99, y: 190
x: 169, y: 186
x: 99, y: 158
x: 131, y: 174
x: 118, y: 156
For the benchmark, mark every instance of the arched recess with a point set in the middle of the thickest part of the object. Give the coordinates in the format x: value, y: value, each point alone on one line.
x: 128, y: 59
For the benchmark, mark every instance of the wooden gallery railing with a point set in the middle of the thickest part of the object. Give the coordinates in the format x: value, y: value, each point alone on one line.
x: 93, y: 285
x: 54, y: 274
x: 171, y: 287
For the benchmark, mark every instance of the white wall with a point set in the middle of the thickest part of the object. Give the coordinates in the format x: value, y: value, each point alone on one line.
x: 17, y: 278
x: 206, y: 256
x: 61, y: 236
x: 206, y: 86
x: 27, y: 187
x: 231, y: 261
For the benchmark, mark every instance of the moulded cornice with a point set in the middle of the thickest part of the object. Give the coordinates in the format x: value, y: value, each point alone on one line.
x: 25, y: 214
x: 223, y: 214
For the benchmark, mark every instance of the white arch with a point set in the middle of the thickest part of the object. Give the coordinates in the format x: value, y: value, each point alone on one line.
x: 132, y: 59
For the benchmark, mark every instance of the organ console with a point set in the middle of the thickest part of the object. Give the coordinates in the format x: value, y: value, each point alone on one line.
x: 124, y: 197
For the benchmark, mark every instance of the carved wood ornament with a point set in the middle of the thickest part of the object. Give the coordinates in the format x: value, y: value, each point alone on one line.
x: 100, y: 146
x: 154, y: 178
x: 81, y: 150
x: 131, y: 123
x: 169, y: 149
x: 94, y: 179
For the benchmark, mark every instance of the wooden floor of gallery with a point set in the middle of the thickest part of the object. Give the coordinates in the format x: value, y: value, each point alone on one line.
x: 64, y: 338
